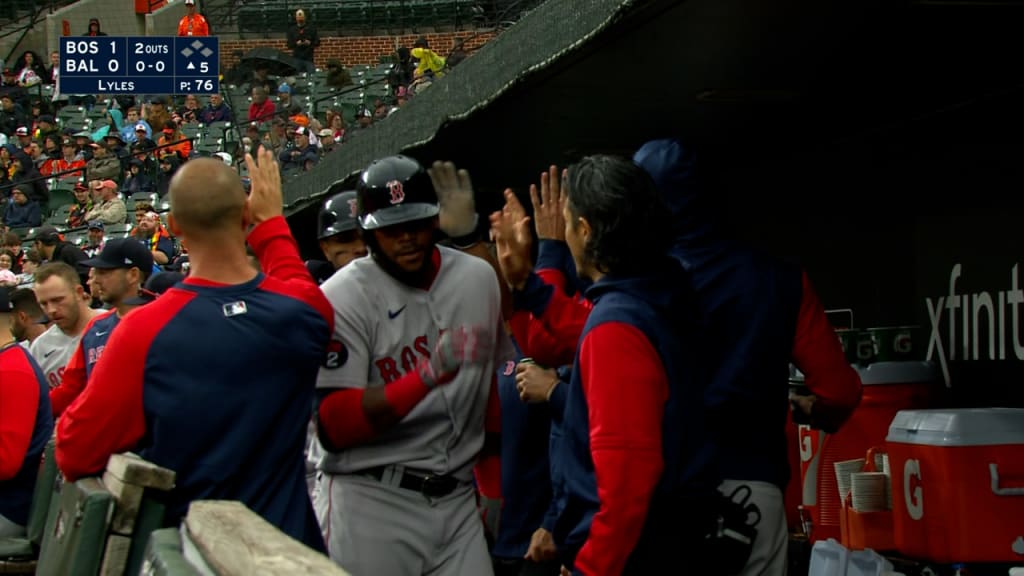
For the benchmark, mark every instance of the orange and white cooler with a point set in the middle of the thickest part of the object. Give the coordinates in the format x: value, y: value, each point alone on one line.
x: 888, y: 388
x: 958, y: 484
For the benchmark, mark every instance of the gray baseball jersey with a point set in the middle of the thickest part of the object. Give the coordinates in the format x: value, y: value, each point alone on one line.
x: 52, y: 350
x: 383, y: 328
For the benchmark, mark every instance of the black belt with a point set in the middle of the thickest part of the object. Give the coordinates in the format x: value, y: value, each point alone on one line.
x: 429, y: 485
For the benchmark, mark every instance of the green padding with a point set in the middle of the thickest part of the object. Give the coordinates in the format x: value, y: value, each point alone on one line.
x: 150, y: 518
x: 164, y: 557
x: 16, y: 549
x: 74, y: 542
x: 42, y: 497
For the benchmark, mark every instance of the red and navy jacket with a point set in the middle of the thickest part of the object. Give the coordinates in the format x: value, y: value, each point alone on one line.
x: 215, y: 382
x: 757, y: 314
x: 26, y: 425
x: 634, y: 455
x: 525, y: 470
x: 80, y: 365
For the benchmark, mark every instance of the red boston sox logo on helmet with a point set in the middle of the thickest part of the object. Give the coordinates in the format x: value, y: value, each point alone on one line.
x: 353, y: 207
x: 397, y: 191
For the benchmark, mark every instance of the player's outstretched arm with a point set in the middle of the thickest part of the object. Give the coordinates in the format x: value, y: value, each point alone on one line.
x: 352, y: 416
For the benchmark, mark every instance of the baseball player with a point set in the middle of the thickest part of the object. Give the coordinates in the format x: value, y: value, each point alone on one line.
x: 405, y: 387
x: 120, y: 271
x: 59, y: 291
x: 341, y: 243
x: 338, y: 233
x: 25, y: 424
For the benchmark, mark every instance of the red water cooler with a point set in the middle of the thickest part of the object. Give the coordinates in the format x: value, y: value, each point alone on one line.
x: 888, y: 388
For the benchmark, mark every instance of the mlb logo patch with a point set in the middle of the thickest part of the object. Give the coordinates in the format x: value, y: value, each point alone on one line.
x: 235, y: 309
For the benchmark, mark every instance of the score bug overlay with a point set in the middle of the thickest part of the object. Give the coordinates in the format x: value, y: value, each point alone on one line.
x: 139, y: 65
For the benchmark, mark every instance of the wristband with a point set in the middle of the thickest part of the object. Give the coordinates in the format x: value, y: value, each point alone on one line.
x: 469, y: 240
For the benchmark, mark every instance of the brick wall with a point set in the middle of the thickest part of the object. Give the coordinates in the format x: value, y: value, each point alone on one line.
x: 351, y: 50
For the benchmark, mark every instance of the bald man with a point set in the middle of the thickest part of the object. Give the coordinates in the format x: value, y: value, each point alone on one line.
x: 215, y: 378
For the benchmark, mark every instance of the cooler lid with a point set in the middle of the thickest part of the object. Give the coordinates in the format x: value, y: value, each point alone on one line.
x: 909, y: 372
x: 959, y: 427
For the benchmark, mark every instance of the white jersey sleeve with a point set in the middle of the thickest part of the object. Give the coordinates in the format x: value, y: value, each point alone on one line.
x: 347, y: 364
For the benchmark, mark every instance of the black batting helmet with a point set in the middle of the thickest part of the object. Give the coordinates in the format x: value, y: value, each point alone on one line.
x: 394, y: 190
x: 338, y: 215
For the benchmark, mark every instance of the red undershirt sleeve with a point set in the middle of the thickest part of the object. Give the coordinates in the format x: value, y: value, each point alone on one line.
x: 19, y: 402
x: 819, y: 355
x: 626, y: 389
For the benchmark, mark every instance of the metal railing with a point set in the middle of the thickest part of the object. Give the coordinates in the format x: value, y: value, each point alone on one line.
x: 37, y: 10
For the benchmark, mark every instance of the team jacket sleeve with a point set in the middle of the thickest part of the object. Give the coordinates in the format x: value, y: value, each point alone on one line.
x: 818, y: 354
x: 19, y: 398
x: 625, y: 440
x: 278, y: 253
x: 72, y: 382
x: 553, y: 258
x: 562, y: 316
x: 107, y: 417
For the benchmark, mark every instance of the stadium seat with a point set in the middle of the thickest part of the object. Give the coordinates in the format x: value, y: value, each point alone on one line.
x: 17, y: 554
x: 164, y: 555
x: 73, y: 542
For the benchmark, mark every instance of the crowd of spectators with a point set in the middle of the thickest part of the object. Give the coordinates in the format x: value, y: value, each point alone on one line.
x: 107, y: 175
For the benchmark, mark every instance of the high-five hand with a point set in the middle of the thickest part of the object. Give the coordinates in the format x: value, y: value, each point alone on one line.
x: 265, y: 199
x: 547, y: 206
x: 454, y: 190
x: 510, y: 228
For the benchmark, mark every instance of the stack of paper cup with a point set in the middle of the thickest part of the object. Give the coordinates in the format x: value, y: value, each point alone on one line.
x: 868, y: 491
x: 843, y: 471
x: 888, y: 480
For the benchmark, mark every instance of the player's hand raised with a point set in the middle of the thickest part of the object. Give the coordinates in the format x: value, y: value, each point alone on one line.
x: 547, y: 205
x: 510, y: 228
x: 454, y: 190
x: 265, y: 199
x: 457, y: 347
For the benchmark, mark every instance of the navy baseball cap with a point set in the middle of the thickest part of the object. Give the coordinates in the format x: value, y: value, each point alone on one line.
x: 122, y: 253
x: 156, y: 285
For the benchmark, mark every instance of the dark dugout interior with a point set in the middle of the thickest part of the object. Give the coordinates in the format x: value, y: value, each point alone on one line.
x: 878, y: 142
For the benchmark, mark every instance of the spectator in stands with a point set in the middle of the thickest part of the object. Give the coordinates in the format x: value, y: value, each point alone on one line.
x: 137, y: 181
x: 30, y: 69
x: 111, y: 126
x: 303, y: 39
x: 26, y: 325
x: 83, y: 142
x: 117, y: 147
x: 189, y: 111
x: 24, y: 137
x: 364, y: 118
x: 94, y: 28
x: 277, y: 138
x: 336, y: 124
x: 150, y: 232
x: 21, y: 211
x: 215, y: 111
x: 401, y: 73
x: 11, y: 242
x: 46, y: 127
x: 286, y: 107
x: 261, y: 109
x: 337, y: 75
x: 169, y: 164
x: 193, y: 24
x: 110, y: 209
x: 104, y: 165
x: 27, y: 425
x: 301, y: 156
x: 25, y: 173
x: 35, y: 153
x: 173, y: 140
x: 51, y: 146
x: 261, y: 79
x: 96, y: 240
x: 142, y: 140
x: 82, y: 205
x: 53, y: 71
x: 156, y: 114
x: 131, y: 126
x: 11, y: 114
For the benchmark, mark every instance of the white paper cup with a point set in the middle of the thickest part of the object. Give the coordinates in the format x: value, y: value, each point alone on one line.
x: 843, y: 470
x: 868, y: 491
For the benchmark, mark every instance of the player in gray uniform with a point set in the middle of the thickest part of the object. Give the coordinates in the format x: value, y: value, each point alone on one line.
x: 341, y: 243
x: 404, y: 389
x: 59, y: 291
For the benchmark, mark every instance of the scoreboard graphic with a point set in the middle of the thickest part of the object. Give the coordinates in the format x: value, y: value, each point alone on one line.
x: 139, y: 65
